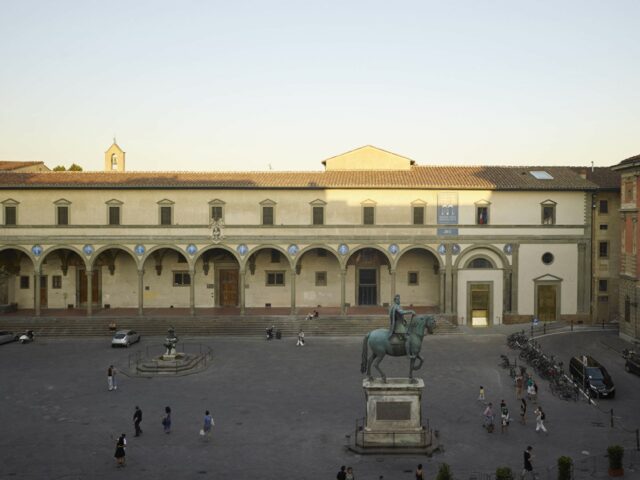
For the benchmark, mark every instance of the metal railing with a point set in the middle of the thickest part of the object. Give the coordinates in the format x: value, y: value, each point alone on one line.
x: 202, y: 353
x: 363, y: 438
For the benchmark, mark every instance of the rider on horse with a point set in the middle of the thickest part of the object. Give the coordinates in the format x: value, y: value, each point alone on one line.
x: 398, y: 323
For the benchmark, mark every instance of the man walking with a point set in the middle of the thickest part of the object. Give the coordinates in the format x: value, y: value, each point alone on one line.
x: 527, y: 471
x: 208, y: 424
x: 137, y: 419
x: 300, y: 339
x: 111, y: 378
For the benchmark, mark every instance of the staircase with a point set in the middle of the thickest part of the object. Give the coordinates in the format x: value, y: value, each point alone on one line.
x: 249, y: 326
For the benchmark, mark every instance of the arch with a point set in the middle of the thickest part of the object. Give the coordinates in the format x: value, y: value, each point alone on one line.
x: 478, y: 259
x: 419, y: 247
x: 283, y: 251
x: 148, y: 254
x: 104, y: 248
x: 314, y: 246
x: 468, y: 252
x: 20, y: 248
x: 374, y: 247
x: 54, y: 248
x: 213, y: 246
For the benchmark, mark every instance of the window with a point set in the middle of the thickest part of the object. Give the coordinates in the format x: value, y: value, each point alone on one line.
x: 275, y: 256
x: 216, y: 212
x: 318, y: 215
x: 62, y: 215
x: 604, y: 207
x: 480, y: 263
x: 10, y: 215
x: 541, y: 174
x: 604, y: 226
x: 482, y: 215
x: 114, y: 215
x: 603, y: 249
x: 418, y: 215
x: 24, y: 282
x: 321, y: 279
x: 412, y: 278
x: 166, y: 215
x: 603, y: 285
x: 267, y: 215
x: 547, y: 258
x: 56, y: 281
x: 181, y: 279
x: 628, y: 192
x: 368, y: 215
x: 548, y: 214
x: 275, y: 279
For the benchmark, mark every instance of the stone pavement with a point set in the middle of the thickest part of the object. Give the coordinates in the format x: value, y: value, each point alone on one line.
x: 282, y: 412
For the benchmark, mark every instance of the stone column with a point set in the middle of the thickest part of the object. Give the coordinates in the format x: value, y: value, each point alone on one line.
x: 192, y: 292
x: 506, y: 291
x: 392, y: 273
x: 89, y: 292
x: 36, y: 288
x: 442, y: 291
x: 140, y: 292
x: 514, y: 278
x: 454, y: 294
x: 448, y: 269
x: 293, y: 291
x: 242, y: 292
x: 343, y: 291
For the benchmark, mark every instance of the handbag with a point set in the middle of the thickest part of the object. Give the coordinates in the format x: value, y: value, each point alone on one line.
x: 202, y: 432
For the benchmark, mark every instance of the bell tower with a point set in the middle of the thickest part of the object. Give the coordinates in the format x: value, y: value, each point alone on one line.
x: 114, y: 158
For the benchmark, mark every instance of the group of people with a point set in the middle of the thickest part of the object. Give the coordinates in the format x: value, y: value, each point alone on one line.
x: 121, y: 444
x: 505, y: 416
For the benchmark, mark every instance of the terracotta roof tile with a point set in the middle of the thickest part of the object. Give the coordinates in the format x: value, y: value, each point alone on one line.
x: 418, y: 177
x: 603, y: 177
x: 9, y: 165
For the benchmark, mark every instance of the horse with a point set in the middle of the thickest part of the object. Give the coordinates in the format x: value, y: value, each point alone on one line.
x: 381, y: 345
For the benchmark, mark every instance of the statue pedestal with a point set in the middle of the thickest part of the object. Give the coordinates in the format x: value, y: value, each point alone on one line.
x: 394, y: 415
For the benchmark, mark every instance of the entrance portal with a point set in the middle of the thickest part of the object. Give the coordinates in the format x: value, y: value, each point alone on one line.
x: 547, y: 303
x: 82, y: 288
x: 367, y: 286
x: 480, y: 304
x: 228, y: 287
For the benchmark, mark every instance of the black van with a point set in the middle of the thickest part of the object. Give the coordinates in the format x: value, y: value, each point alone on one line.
x: 592, y: 377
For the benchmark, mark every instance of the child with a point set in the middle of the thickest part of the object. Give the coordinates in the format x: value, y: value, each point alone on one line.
x: 300, y: 339
x: 481, y: 395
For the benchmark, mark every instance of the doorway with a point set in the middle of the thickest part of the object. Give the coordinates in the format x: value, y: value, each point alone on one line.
x: 96, y: 298
x: 480, y: 304
x: 228, y: 287
x: 367, y: 286
x: 547, y: 305
x: 44, y: 292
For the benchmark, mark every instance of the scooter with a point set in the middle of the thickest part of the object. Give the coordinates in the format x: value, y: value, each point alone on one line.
x: 27, y: 337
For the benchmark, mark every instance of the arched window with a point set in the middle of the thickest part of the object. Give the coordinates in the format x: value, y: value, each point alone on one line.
x: 114, y: 162
x: 480, y: 263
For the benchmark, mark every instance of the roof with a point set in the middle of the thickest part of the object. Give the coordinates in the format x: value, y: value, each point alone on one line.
x: 603, y: 177
x: 8, y: 165
x: 417, y: 177
x: 631, y: 162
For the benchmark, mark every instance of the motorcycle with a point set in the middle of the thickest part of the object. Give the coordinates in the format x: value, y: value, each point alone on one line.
x: 27, y: 337
x: 626, y: 353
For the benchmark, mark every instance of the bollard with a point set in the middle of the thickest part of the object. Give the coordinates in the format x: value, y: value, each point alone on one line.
x: 612, y: 418
x: 572, y: 324
x: 544, y: 328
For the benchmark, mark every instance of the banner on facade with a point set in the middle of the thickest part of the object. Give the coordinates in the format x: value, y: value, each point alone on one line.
x: 448, y: 208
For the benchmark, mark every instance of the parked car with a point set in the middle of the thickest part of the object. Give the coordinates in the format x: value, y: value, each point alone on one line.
x: 124, y: 338
x: 7, y: 336
x: 633, y: 364
x: 587, y: 372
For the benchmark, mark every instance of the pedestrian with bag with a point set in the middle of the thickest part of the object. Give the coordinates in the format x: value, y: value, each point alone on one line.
x: 300, y: 339
x: 166, y: 420
x: 527, y: 470
x: 540, y: 418
x: 137, y: 419
x: 207, y: 426
x: 120, y: 450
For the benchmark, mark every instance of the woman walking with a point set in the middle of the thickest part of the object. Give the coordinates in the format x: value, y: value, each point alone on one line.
x: 540, y: 418
x: 523, y: 411
x: 120, y: 453
x: 166, y: 420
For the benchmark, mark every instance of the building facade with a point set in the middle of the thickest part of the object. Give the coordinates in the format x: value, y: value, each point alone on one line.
x: 483, y: 245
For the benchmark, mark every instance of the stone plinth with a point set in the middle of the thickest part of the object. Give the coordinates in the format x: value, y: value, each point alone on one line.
x: 394, y: 414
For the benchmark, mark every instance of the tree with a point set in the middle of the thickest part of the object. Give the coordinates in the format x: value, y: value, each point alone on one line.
x: 444, y: 473
x: 59, y: 168
x: 504, y: 473
x: 75, y: 168
x: 565, y: 465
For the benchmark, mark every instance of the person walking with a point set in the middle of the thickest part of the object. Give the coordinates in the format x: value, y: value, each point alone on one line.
x: 419, y: 472
x: 489, y: 417
x: 540, y: 418
x: 349, y: 475
x: 137, y: 419
x: 166, y: 420
x: 120, y: 450
x: 531, y: 390
x: 523, y: 411
x: 481, y: 394
x: 111, y: 378
x: 527, y: 470
x: 300, y: 339
x: 207, y: 426
x: 342, y: 474
x: 504, y: 417
x: 519, y: 386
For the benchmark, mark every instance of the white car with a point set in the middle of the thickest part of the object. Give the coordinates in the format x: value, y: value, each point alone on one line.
x: 124, y: 338
x: 6, y: 336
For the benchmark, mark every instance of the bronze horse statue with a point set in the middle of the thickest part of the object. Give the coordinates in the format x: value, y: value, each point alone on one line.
x: 396, y: 346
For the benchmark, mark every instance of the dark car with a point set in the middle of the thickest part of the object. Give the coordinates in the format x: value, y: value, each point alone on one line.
x: 589, y: 374
x: 6, y: 336
x: 633, y: 364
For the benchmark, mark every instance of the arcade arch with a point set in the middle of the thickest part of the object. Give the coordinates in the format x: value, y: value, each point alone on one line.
x: 318, y: 281
x: 374, y: 284
x: 418, y: 278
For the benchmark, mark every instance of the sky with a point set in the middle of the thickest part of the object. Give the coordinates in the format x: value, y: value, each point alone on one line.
x: 256, y: 85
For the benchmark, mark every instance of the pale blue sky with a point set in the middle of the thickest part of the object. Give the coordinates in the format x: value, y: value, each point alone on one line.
x: 239, y: 85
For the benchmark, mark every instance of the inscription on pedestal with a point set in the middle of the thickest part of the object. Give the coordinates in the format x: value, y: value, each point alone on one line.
x: 393, y: 411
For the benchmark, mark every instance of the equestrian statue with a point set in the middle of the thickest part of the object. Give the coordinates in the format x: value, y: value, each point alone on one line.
x: 401, y: 339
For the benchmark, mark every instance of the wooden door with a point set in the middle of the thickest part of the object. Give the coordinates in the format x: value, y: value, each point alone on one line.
x: 547, y: 298
x: 44, y: 292
x: 82, y: 288
x: 228, y: 287
x: 367, y: 286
